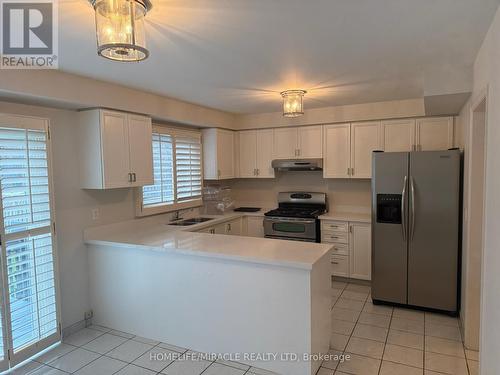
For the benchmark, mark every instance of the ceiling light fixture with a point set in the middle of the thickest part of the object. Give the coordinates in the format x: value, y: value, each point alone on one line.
x: 120, y: 29
x: 293, y: 102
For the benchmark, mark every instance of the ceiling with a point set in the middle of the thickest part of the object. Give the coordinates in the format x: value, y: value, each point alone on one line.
x: 237, y: 55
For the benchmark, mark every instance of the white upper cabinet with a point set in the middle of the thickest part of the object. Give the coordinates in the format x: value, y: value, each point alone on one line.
x: 285, y: 143
x: 115, y: 149
x: 256, y: 154
x: 299, y: 142
x: 398, y: 135
x: 310, y: 142
x: 365, y: 138
x: 360, y: 251
x: 434, y: 134
x: 264, y: 153
x: 218, y: 154
x: 337, y: 155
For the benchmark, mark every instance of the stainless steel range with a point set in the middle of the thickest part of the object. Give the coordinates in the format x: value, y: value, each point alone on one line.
x: 296, y: 217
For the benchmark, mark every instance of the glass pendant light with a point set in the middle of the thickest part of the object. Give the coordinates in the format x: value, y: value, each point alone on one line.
x: 293, y: 103
x: 120, y: 29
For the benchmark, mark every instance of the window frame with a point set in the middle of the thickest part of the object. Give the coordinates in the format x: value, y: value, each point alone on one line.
x: 162, y: 208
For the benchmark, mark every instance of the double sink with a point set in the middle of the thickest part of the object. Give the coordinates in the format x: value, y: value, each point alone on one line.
x: 192, y: 221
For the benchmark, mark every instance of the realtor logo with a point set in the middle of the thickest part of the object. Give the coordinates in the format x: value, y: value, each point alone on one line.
x: 29, y: 34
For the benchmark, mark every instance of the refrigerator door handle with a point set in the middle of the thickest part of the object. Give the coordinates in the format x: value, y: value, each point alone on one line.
x: 403, y: 209
x: 412, y: 223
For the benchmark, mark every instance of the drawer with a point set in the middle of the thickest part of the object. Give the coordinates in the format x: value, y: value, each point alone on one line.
x: 334, y: 237
x: 340, y: 265
x: 337, y: 226
x: 340, y: 249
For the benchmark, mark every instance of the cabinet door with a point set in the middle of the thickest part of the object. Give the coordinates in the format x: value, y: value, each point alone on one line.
x: 264, y: 153
x: 225, y: 154
x: 398, y: 135
x: 337, y: 143
x: 233, y: 227
x: 285, y: 143
x: 140, y: 149
x: 435, y: 134
x: 248, y: 153
x: 364, y: 140
x: 310, y: 142
x: 220, y: 228
x: 255, y: 226
x: 115, y: 149
x: 360, y: 255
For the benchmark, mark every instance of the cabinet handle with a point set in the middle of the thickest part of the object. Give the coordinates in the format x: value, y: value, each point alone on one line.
x: 334, y: 237
x: 218, y: 173
x: 348, y: 171
x: 335, y: 262
x: 258, y: 171
x: 350, y: 229
x: 130, y: 177
x: 229, y: 227
x: 135, y: 177
x: 352, y: 171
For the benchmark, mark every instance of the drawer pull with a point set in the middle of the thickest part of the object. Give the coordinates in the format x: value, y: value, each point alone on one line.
x: 334, y: 237
x: 335, y: 262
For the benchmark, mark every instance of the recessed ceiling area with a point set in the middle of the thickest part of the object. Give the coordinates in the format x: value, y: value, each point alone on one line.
x: 238, y: 55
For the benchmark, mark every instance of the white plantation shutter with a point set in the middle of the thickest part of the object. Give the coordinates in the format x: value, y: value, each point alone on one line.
x: 177, y: 168
x: 188, y: 167
x: 27, y: 238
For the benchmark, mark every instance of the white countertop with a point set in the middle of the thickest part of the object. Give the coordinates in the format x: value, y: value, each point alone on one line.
x: 153, y: 234
x: 348, y: 216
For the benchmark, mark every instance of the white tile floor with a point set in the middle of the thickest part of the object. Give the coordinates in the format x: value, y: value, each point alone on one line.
x: 380, y: 340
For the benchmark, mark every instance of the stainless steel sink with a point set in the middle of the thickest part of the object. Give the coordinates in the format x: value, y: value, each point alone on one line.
x: 192, y: 221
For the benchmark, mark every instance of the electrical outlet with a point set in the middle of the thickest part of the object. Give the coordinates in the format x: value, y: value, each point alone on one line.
x: 96, y: 214
x: 88, y: 314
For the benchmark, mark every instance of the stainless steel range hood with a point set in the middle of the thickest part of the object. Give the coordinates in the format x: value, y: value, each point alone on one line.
x: 298, y: 164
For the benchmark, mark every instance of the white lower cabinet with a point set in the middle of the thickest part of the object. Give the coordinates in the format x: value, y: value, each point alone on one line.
x: 351, y: 252
x: 236, y: 227
x: 254, y: 226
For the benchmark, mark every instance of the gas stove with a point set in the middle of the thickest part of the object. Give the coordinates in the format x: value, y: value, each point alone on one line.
x: 296, y: 217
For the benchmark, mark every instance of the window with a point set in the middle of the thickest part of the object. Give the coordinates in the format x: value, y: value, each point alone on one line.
x: 177, y: 172
x: 30, y: 306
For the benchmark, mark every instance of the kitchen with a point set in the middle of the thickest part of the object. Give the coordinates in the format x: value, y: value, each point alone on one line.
x: 250, y: 220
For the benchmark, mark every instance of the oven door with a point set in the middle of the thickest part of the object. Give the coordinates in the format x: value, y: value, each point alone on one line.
x: 290, y: 228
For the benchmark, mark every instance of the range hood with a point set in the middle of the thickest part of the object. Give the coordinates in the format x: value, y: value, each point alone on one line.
x: 298, y: 164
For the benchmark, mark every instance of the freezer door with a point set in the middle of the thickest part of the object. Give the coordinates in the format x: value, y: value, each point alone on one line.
x: 434, y: 229
x: 389, y: 226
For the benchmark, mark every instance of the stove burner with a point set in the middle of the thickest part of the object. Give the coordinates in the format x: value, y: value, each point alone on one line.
x: 296, y: 212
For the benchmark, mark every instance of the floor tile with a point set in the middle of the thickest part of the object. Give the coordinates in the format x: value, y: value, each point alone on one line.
x: 473, y: 367
x: 186, y: 367
x: 445, y: 364
x: 104, y: 343
x: 377, y: 309
x: 259, y: 371
x: 99, y: 328
x: 325, y: 371
x: 342, y: 327
x: 74, y: 360
x: 445, y: 332
x: 370, y: 332
x: 218, y: 369
x: 156, y: 359
x: 46, y: 370
x: 472, y: 354
x: 121, y: 334
x: 444, y: 346
x: 145, y: 340
x: 349, y: 304
x: 339, y: 285
x: 359, y: 288
x: 26, y: 368
x: 345, y: 314
x: 391, y: 368
x: 54, y: 353
x: 129, y: 351
x: 336, y: 292
x: 407, y: 325
x: 338, y: 341
x: 441, y: 319
x: 374, y: 320
x: 408, y: 339
x: 174, y: 348
x: 403, y: 355
x: 408, y: 314
x: 357, y: 296
x: 367, y: 348
x: 82, y: 337
x: 237, y: 365
x: 102, y: 366
x: 360, y: 365
x: 332, y: 363
x: 135, y: 370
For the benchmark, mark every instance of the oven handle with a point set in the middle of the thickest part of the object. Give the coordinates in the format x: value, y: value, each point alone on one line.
x: 289, y: 220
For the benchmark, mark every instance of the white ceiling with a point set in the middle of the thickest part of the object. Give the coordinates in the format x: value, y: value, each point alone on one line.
x: 237, y: 55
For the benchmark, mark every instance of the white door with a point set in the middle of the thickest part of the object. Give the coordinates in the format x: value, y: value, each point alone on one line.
x: 264, y: 155
x: 140, y: 132
x: 360, y: 251
x: 364, y: 140
x: 398, y: 135
x: 225, y: 154
x: 285, y: 143
x: 248, y: 153
x: 30, y: 305
x: 310, y: 142
x: 435, y: 134
x: 255, y: 226
x: 337, y: 145
x: 115, y: 149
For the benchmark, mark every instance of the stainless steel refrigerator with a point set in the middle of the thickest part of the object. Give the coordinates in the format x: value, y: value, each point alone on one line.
x: 415, y: 228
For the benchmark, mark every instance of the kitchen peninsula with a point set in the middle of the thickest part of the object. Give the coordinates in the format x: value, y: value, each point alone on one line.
x: 213, y: 293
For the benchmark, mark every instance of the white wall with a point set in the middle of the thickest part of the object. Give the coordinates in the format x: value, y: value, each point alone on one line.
x: 73, y: 208
x: 487, y: 76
